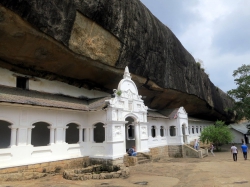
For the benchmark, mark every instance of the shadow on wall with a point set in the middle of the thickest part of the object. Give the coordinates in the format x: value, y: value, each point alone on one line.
x: 5, y: 134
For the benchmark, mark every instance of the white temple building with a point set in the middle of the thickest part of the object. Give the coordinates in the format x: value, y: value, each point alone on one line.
x: 45, y: 121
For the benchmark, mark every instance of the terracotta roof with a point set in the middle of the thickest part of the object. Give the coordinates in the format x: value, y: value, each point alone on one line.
x: 28, y: 97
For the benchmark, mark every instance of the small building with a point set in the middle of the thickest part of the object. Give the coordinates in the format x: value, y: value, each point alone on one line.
x: 240, y: 131
x: 47, y: 121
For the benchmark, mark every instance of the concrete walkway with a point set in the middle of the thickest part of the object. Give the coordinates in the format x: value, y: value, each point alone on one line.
x: 210, y: 171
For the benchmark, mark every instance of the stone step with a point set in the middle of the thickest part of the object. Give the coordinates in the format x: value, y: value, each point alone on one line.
x: 141, y: 158
x: 144, y: 161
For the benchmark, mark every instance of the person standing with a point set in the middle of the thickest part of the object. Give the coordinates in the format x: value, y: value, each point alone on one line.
x: 244, y: 149
x: 234, y: 151
x: 195, y: 144
x: 212, y: 149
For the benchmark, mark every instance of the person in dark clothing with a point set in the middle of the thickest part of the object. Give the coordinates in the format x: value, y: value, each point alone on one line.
x: 132, y: 151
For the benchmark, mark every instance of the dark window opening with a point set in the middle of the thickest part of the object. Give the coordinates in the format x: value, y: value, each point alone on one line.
x: 99, y: 133
x: 83, y: 131
x: 192, y: 130
x: 172, y: 131
x: 72, y: 133
x: 22, y: 82
x: 5, y: 134
x: 130, y: 131
x: 153, y: 131
x: 162, y: 131
x: 40, y: 135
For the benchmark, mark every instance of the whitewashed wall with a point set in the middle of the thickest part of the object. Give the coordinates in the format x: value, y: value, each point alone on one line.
x: 157, y: 140
x: 22, y: 152
x: 237, y: 136
x: 197, y: 124
x: 8, y: 78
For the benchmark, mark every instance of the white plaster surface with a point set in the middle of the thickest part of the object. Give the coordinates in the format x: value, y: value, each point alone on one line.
x: 126, y: 105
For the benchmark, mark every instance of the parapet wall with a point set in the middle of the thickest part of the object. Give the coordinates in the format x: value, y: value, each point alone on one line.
x: 159, y: 152
x: 49, y: 167
x: 175, y: 151
x: 35, y: 171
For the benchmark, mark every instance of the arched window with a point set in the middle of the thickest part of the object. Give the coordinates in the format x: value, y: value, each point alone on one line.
x: 162, y: 131
x: 172, y: 130
x: 153, y: 131
x: 40, y: 135
x: 99, y: 133
x: 72, y: 133
x: 5, y: 134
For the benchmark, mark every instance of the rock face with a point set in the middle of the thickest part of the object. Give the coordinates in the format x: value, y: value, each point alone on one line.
x: 88, y: 44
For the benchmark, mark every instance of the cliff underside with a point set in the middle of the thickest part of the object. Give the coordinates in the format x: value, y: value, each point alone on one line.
x: 88, y: 44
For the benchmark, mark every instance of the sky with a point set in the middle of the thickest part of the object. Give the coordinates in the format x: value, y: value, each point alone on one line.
x: 217, y: 32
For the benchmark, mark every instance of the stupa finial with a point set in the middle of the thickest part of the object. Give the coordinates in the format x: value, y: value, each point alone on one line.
x: 126, y: 73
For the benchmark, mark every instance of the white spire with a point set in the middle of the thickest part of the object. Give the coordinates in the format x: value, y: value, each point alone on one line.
x: 126, y: 73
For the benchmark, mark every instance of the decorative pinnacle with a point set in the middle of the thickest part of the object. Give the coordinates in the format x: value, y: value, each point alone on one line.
x: 126, y: 73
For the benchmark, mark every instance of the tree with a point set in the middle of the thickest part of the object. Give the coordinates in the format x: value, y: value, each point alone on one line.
x: 241, y: 94
x: 218, y: 134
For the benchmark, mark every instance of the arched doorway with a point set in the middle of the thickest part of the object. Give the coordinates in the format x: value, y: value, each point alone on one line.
x: 5, y: 134
x: 40, y: 135
x: 130, y: 133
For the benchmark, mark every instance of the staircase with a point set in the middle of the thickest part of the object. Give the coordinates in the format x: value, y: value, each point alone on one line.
x: 143, y: 158
x: 189, y: 151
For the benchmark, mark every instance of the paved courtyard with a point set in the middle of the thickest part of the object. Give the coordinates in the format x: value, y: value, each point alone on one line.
x: 210, y: 171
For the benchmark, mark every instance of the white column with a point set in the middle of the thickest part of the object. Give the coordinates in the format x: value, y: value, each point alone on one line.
x: 13, y: 136
x: 86, y: 135
x: 64, y: 134
x: 157, y: 131
x: 29, y: 135
x: 187, y: 131
x: 52, y: 135
x: 91, y: 134
x: 80, y: 134
x: 106, y: 132
x: 137, y: 137
x: 124, y: 137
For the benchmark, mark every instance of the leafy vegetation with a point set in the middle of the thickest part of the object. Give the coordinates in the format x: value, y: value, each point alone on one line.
x: 119, y: 92
x: 218, y: 134
x: 241, y: 94
x: 198, y: 65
